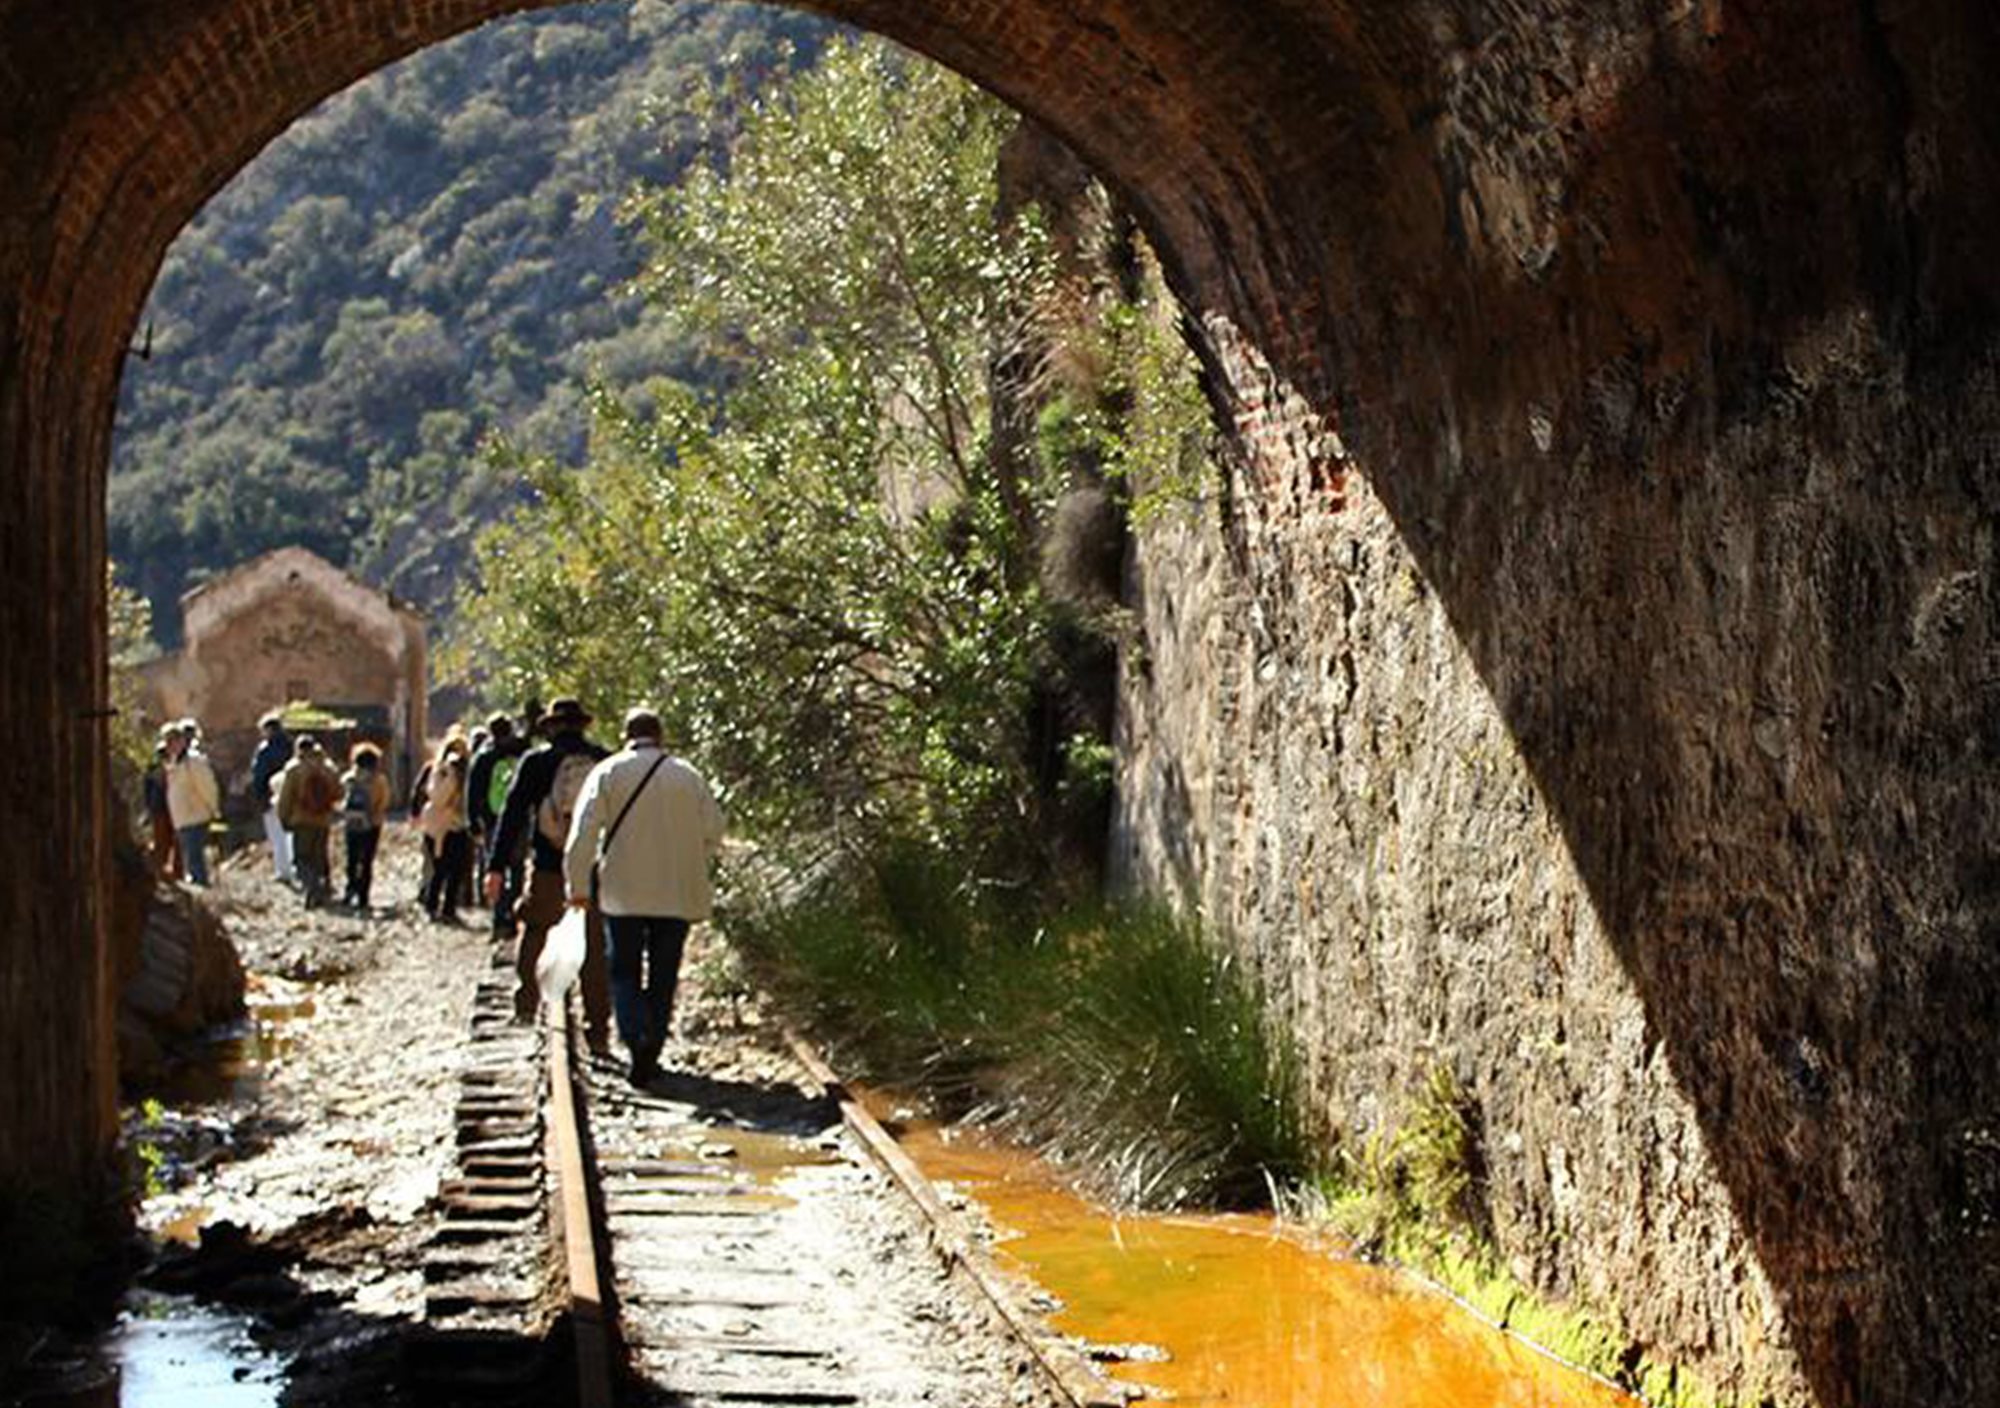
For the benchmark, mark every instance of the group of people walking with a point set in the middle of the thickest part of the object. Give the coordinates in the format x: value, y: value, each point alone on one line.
x: 546, y: 817
x: 303, y: 798
x: 625, y: 836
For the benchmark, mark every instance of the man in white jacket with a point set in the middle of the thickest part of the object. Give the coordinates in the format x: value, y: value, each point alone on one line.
x: 648, y: 824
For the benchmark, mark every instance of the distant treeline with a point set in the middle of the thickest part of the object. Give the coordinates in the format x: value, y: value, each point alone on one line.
x: 430, y: 256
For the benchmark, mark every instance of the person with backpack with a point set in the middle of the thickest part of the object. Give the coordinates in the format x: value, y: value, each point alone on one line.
x: 364, y: 805
x: 492, y: 774
x: 309, y: 800
x: 645, y: 829
x: 274, y: 750
x: 444, y: 826
x: 540, y: 807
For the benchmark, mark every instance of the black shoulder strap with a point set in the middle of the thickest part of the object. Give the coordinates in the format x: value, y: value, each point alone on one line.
x: 626, y: 810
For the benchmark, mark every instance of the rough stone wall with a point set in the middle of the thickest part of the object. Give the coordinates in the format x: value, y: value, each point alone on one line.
x: 1309, y: 757
x: 1593, y: 689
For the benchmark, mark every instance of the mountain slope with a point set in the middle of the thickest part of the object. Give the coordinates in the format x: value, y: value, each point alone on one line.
x: 429, y: 256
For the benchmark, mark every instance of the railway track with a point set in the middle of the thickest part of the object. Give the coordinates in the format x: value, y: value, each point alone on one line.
x: 714, y: 1241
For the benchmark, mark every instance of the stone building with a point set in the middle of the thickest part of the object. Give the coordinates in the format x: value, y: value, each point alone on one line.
x: 286, y: 628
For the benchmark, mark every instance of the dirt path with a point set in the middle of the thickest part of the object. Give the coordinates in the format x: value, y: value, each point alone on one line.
x: 342, y: 1111
x: 329, y: 1146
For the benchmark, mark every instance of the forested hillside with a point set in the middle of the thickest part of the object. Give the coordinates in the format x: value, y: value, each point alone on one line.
x: 429, y: 256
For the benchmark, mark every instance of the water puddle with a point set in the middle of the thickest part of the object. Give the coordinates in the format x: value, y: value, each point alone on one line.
x: 765, y: 1157
x: 176, y: 1353
x: 183, y: 1228
x: 229, y: 1065
x: 750, y: 1159
x: 169, y: 1352
x: 1247, y: 1311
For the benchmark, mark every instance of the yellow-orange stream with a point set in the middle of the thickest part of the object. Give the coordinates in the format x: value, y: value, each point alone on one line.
x: 1249, y: 1312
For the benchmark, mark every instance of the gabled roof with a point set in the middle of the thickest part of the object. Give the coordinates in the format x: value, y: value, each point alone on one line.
x: 294, y: 560
x: 395, y: 624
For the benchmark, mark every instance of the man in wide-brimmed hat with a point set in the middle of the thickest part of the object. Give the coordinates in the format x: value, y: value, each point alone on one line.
x: 539, y: 807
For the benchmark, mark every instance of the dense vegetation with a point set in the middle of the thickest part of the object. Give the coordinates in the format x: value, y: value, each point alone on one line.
x: 1119, y: 1039
x: 429, y: 256
x: 796, y: 424
x: 852, y: 596
x: 821, y: 576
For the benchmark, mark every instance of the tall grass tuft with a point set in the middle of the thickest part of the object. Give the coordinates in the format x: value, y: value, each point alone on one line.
x: 1150, y: 1058
x: 1120, y: 1040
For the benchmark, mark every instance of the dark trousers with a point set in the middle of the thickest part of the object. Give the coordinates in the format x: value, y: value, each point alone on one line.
x: 361, y: 846
x: 441, y: 890
x: 512, y: 877
x: 166, y: 846
x: 645, y: 969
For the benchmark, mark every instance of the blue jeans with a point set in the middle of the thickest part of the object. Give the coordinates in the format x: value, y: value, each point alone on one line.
x: 643, y: 1002
x: 194, y: 852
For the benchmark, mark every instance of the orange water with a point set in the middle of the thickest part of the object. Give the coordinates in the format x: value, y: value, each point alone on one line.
x: 1248, y: 1312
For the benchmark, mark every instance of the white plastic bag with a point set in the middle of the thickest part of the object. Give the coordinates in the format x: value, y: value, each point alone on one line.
x: 561, y: 958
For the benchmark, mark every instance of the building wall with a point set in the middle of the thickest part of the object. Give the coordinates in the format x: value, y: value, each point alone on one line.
x: 282, y: 630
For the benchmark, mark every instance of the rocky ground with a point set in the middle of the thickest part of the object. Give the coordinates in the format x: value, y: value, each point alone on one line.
x: 306, y: 1159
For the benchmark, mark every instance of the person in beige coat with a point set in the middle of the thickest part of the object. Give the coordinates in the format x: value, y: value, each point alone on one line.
x: 194, y: 796
x: 644, y: 831
x: 446, y: 823
x: 309, y: 797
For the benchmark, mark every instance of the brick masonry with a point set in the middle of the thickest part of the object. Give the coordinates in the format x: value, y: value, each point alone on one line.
x: 1590, y: 682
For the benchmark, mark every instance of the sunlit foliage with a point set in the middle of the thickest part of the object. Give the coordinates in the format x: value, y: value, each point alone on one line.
x: 131, y: 645
x: 820, y: 577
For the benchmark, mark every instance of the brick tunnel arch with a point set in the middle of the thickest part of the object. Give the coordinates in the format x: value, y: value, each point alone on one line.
x: 1569, y: 324
x: 123, y: 120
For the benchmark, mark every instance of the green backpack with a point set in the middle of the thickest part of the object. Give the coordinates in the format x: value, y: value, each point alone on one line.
x: 498, y: 782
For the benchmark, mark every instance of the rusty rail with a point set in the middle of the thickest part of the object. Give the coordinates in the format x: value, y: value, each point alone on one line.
x: 589, y: 1320
x: 1062, y: 1367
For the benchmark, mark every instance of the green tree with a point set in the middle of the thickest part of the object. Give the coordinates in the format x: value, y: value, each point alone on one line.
x: 820, y: 574
x: 131, y: 645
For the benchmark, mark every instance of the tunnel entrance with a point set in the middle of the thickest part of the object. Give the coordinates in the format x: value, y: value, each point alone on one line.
x: 1569, y: 332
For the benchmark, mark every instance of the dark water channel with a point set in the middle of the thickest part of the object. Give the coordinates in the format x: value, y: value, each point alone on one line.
x: 172, y: 1352
x: 228, y: 1066
x: 175, y: 1351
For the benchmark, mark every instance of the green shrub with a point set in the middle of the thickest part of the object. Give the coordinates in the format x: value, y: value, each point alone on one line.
x: 1119, y: 1040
